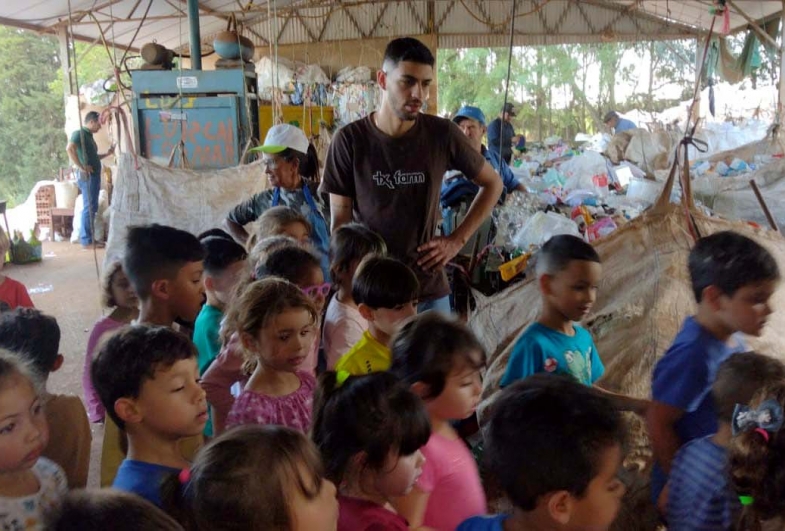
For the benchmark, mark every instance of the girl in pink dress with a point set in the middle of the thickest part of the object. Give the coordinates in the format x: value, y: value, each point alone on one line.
x: 116, y: 293
x: 277, y: 324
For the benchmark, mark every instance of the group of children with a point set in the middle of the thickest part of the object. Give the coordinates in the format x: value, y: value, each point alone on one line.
x: 331, y: 404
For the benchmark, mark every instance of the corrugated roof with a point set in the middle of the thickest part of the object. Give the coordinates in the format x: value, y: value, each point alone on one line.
x: 458, y: 23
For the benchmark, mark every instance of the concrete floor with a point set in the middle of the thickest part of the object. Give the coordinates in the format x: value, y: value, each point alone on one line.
x: 65, y: 285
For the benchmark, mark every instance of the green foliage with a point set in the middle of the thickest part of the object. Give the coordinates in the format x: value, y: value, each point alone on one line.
x: 32, y: 140
x: 32, y: 107
x: 563, y: 89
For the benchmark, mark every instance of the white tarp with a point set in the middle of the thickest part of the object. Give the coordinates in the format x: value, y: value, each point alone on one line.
x: 187, y: 199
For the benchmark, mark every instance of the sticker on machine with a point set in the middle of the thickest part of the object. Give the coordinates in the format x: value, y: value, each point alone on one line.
x: 187, y: 82
x: 167, y: 116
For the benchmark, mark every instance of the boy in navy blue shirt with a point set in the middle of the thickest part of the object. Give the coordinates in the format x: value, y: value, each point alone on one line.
x: 568, y: 272
x: 733, y: 278
x: 148, y: 381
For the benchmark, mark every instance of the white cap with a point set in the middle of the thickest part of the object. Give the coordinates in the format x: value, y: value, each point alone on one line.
x: 285, y: 136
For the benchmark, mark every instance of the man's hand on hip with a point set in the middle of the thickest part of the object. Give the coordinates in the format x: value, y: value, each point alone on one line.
x: 437, y: 252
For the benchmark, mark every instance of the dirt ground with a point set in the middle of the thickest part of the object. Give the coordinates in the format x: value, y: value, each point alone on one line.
x: 65, y: 284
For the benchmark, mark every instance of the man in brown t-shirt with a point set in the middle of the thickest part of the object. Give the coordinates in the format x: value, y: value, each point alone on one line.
x: 385, y: 170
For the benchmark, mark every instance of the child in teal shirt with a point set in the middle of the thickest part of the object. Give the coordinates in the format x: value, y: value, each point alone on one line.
x: 568, y: 274
x: 224, y: 266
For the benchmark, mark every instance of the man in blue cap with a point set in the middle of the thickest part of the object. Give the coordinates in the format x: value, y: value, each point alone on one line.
x: 456, y: 188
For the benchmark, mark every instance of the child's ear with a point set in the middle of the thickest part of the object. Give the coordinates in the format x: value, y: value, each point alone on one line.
x: 366, y: 311
x: 420, y: 389
x: 127, y: 410
x: 209, y: 283
x: 712, y: 295
x: 248, y: 341
x: 160, y: 289
x: 560, y: 505
x: 58, y: 363
x: 544, y: 282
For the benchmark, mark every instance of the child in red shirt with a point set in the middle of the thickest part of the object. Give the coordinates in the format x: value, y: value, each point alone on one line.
x: 12, y: 292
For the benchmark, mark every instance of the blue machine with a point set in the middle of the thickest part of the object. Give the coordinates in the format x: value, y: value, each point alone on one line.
x: 214, y: 112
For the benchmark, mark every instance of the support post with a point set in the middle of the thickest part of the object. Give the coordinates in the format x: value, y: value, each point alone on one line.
x: 696, y: 111
x: 69, y: 80
x: 196, y: 39
x: 781, y: 99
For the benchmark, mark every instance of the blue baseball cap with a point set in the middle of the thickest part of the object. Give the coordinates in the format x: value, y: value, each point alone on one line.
x: 467, y: 111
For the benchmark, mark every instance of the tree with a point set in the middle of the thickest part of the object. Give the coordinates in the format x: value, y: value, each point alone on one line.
x: 32, y: 141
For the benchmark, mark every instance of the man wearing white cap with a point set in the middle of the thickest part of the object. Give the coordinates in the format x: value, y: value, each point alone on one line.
x: 385, y: 170
x: 291, y: 166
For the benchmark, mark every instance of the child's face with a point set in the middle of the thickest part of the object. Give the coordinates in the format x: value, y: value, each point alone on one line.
x: 460, y: 395
x: 573, y: 290
x: 748, y: 309
x: 286, y: 341
x: 399, y: 474
x: 122, y: 291
x: 317, y: 514
x: 389, y: 320
x: 601, y: 502
x: 224, y: 283
x: 24, y: 432
x: 187, y: 291
x: 173, y: 402
x: 297, y: 231
x: 314, y: 279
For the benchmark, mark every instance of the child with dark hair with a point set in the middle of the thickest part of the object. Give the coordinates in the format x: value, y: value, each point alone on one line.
x: 733, y: 278
x: 568, y: 274
x: 117, y: 294
x: 99, y: 510
x: 343, y: 323
x: 224, y: 268
x: 698, y: 495
x: 755, y: 458
x: 255, y: 477
x: 30, y: 485
x: 440, y: 359
x: 277, y: 324
x: 369, y: 429
x: 556, y: 447
x: 289, y: 262
x: 385, y: 291
x: 148, y: 380
x: 35, y: 338
x: 165, y: 267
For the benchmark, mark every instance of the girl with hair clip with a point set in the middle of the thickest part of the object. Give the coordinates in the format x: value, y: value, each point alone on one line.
x: 757, y: 460
x: 117, y: 294
x: 254, y: 477
x: 277, y: 325
x: 369, y: 429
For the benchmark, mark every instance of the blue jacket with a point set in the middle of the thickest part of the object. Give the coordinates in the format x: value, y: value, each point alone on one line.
x: 624, y: 125
x: 458, y: 188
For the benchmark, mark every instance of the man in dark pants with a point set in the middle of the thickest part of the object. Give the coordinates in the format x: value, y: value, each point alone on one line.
x: 83, y: 152
x: 502, y: 134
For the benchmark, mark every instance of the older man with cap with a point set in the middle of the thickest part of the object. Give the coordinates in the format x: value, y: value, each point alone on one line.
x: 501, y: 134
x: 617, y: 123
x: 457, y: 191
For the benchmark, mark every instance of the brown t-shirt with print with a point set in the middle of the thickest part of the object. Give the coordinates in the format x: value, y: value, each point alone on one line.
x: 394, y: 183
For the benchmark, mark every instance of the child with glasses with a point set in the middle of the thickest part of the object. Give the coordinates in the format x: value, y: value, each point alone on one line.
x: 277, y: 324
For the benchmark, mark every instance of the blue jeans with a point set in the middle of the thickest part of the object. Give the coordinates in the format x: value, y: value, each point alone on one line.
x: 90, y: 186
x: 441, y: 305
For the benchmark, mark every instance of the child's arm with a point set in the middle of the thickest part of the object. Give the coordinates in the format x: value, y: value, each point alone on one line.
x: 665, y: 442
x: 218, y: 380
x: 412, y: 507
x: 662, y: 501
x: 639, y: 406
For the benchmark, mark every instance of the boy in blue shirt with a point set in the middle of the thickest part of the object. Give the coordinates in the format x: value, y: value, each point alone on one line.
x: 733, y: 279
x: 699, y: 496
x: 568, y: 272
x: 148, y: 381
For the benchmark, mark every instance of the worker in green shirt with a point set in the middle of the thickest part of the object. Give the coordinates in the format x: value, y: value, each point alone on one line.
x: 83, y: 152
